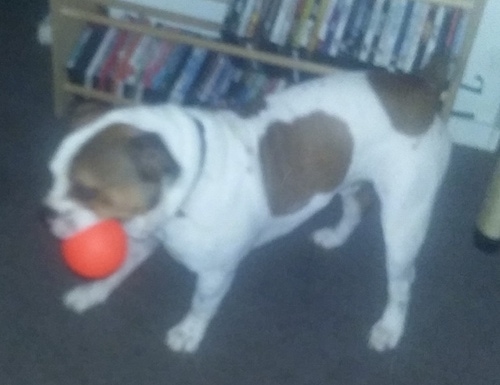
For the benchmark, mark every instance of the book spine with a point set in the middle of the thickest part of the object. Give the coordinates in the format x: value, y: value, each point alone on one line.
x: 202, y: 94
x: 324, y: 24
x: 77, y: 51
x: 161, y: 48
x: 378, y: 30
x: 339, y: 31
x: 321, y: 14
x: 76, y: 70
x: 401, y: 36
x: 353, y: 39
x: 433, y: 39
x: 98, y: 58
x: 443, y: 33
x: 390, y: 33
x: 417, y: 24
x: 109, y: 65
x: 245, y: 18
x: 330, y: 28
x: 457, y: 44
x: 300, y: 23
x: 106, y: 54
x: 254, y: 21
x: 308, y: 30
x: 452, y: 29
x: 283, y: 22
x: 221, y: 84
x: 424, y: 21
x: 188, y: 75
x: 164, y: 79
x: 424, y: 39
x: 346, y: 40
x: 233, y: 16
x: 370, y: 33
x: 123, y: 67
x: 269, y: 19
x: 138, y: 63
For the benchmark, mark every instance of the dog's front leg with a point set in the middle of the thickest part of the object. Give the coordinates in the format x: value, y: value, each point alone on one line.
x: 211, y: 287
x: 88, y: 295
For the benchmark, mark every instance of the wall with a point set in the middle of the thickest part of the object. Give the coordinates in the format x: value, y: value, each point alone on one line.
x: 211, y: 10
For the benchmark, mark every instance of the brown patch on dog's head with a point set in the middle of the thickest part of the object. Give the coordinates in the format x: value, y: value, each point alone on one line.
x: 303, y: 158
x: 411, y: 101
x: 119, y: 173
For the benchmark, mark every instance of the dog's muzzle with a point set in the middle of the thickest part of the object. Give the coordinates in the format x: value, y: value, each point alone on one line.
x: 62, y: 226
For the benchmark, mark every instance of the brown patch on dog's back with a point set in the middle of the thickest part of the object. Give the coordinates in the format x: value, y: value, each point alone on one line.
x: 107, y: 175
x: 303, y: 158
x: 410, y: 101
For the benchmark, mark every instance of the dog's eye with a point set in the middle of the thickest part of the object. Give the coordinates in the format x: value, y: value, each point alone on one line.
x: 83, y: 193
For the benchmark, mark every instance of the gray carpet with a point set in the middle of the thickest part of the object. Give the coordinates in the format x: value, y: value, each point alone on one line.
x: 296, y: 315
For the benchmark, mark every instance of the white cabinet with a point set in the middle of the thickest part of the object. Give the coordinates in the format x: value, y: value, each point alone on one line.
x: 478, y: 99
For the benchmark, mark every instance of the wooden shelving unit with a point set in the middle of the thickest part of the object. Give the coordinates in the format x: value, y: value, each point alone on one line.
x: 70, y: 16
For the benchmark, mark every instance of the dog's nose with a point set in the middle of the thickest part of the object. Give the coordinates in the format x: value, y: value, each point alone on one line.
x: 46, y: 213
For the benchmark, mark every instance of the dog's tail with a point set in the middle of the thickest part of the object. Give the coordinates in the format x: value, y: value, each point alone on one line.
x: 437, y: 74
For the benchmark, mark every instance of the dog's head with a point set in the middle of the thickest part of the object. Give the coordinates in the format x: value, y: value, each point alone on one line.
x: 106, y: 169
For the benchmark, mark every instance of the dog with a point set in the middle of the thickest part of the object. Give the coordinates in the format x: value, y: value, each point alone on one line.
x: 210, y: 186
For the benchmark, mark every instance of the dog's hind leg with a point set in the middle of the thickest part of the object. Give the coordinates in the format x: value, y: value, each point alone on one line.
x: 407, y: 196
x: 354, y: 201
x: 88, y: 295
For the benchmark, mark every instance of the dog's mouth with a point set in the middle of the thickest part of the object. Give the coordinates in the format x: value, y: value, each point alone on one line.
x: 63, y: 225
x: 62, y: 228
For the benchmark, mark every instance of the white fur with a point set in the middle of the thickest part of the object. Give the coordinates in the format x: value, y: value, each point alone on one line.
x: 227, y: 215
x: 44, y: 31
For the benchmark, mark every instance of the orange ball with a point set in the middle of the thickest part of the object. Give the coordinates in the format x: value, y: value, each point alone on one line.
x: 96, y: 251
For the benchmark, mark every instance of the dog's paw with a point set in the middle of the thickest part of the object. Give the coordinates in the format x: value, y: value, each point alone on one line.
x: 84, y: 297
x: 385, y: 335
x: 186, y: 336
x: 327, y: 238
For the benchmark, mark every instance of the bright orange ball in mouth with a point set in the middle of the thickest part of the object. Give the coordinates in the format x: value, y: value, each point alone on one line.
x: 96, y: 251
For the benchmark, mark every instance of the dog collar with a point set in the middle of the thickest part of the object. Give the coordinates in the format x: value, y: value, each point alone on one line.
x: 203, y: 154
x: 203, y: 151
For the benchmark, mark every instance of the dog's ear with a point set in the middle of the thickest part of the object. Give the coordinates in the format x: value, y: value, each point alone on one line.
x: 152, y: 158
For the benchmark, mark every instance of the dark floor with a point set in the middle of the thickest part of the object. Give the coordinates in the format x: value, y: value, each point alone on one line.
x: 295, y: 316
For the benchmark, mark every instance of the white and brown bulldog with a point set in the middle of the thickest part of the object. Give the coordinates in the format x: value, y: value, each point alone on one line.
x: 210, y: 186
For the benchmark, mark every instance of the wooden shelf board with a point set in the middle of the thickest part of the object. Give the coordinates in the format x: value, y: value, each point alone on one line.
x: 94, y: 94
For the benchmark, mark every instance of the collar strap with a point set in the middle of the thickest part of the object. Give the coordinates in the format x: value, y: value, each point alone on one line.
x: 203, y: 155
x: 203, y: 146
